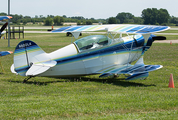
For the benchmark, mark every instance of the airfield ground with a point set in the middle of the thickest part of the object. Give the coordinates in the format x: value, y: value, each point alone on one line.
x: 90, y: 97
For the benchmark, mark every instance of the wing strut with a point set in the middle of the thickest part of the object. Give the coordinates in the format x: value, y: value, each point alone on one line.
x: 27, y: 57
x: 130, y: 53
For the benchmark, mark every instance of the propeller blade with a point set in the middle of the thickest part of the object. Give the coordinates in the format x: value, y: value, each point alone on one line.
x: 159, y: 38
x: 4, y: 26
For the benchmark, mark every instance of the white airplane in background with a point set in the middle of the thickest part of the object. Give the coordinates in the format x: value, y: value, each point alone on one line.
x: 95, y: 54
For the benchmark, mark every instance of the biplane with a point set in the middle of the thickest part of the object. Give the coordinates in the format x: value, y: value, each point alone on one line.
x: 95, y: 54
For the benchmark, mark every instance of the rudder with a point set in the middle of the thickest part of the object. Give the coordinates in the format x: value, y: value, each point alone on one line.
x: 26, y: 53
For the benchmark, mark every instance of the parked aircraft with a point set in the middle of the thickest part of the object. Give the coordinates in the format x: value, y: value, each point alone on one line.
x: 94, y: 54
x: 3, y: 53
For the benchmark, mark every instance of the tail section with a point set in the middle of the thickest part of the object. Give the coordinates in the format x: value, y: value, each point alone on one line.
x: 30, y: 59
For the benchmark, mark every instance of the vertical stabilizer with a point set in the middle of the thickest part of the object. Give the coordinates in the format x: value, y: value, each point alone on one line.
x: 24, y: 56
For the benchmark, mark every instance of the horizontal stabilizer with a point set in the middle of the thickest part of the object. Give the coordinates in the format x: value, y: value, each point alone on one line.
x: 39, y: 68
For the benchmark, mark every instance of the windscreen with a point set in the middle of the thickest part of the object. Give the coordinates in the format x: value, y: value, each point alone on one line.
x: 91, y: 42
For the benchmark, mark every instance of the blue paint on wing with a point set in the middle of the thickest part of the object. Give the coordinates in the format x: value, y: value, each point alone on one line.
x: 138, y: 76
x: 3, y: 53
x: 125, y: 29
x: 135, y: 29
x: 73, y: 28
x: 61, y: 29
x: 84, y: 28
x: 152, y: 29
x: 3, y: 17
x: 152, y: 67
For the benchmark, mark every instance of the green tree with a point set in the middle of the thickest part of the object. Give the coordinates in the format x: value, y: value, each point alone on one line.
x: 51, y: 16
x: 112, y: 20
x: 174, y: 20
x: 163, y: 16
x: 48, y: 21
x: 33, y: 21
x: 83, y: 22
x: 57, y: 20
x: 123, y: 17
x: 154, y: 16
x: 18, y: 22
x: 3, y: 14
x: 24, y: 21
x: 146, y: 14
x: 78, y: 22
x: 16, y: 19
x: 138, y: 20
x: 88, y: 22
x: 62, y: 20
x: 64, y: 16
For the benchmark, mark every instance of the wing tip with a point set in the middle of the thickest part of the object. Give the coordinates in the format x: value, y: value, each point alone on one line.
x: 10, y: 17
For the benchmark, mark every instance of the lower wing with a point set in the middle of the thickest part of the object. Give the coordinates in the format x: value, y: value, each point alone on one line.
x: 137, y: 71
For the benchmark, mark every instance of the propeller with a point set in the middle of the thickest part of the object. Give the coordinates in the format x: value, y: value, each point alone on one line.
x: 3, y: 27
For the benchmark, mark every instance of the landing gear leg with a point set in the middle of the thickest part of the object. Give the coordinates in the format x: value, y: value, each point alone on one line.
x: 26, y: 79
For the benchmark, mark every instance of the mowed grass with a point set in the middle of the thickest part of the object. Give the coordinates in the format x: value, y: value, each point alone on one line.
x: 89, y: 97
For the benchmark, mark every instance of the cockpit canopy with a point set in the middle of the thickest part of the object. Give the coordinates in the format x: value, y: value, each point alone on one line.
x: 91, y: 42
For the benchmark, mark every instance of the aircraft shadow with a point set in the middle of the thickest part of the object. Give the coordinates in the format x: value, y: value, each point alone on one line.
x: 118, y: 82
x: 114, y: 81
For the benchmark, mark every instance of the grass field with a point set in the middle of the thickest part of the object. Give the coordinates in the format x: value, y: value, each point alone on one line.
x: 89, y: 97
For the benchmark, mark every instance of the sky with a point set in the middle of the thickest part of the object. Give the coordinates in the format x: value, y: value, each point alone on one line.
x: 87, y: 8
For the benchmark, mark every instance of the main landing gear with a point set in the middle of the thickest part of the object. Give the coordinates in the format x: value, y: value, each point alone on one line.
x: 26, y: 79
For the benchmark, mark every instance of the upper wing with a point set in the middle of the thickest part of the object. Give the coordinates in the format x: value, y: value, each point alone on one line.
x: 121, y: 28
x: 5, y: 17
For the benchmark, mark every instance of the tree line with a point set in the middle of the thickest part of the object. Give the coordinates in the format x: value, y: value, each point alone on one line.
x: 151, y: 16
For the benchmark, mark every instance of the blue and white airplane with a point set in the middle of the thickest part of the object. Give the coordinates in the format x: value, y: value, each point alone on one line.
x: 95, y: 54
